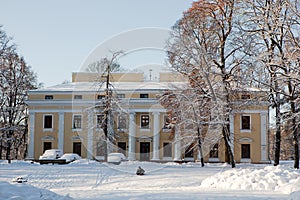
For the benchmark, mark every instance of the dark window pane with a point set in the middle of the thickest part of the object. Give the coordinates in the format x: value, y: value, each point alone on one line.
x: 144, y: 96
x: 48, y: 121
x: 167, y: 149
x: 145, y: 121
x: 246, y: 122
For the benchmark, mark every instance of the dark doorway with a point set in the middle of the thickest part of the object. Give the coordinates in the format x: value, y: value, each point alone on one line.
x: 77, y: 148
x: 122, y: 147
x: 47, y: 145
x: 145, y: 151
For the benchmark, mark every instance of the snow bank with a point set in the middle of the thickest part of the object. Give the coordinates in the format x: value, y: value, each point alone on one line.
x: 280, y: 178
x: 21, y: 191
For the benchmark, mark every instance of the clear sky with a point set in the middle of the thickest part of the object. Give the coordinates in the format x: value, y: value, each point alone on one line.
x: 56, y: 36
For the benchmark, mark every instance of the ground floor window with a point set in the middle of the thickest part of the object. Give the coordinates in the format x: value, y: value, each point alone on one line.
x: 189, y: 152
x: 245, y: 151
x: 77, y: 148
x: 214, y: 152
x: 167, y: 149
x: 46, y: 146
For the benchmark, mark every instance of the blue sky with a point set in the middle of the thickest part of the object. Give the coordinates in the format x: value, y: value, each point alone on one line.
x: 57, y: 36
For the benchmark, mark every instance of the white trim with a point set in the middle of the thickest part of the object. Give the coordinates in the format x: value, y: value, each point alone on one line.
x: 213, y: 160
x: 263, y: 135
x: 61, y: 126
x: 48, y: 138
x: 251, y: 111
x: 131, y: 136
x: 245, y: 140
x: 90, y: 135
x: 245, y: 160
x: 30, y: 154
x: 156, y: 136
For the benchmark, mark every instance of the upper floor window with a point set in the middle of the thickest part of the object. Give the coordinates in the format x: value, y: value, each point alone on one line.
x: 77, y: 121
x: 77, y: 96
x: 120, y: 96
x: 49, y: 97
x: 122, y: 122
x: 246, y: 122
x: 144, y: 95
x: 48, y: 121
x: 145, y: 121
x: 100, y: 120
x: 101, y: 96
x: 245, y: 96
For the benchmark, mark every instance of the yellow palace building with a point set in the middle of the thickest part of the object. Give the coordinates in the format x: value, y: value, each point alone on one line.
x: 70, y: 117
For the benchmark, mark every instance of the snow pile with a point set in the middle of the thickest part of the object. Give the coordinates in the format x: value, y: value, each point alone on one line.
x: 23, y: 191
x: 280, y: 178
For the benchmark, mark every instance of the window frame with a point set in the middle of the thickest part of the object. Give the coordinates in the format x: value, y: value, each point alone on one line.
x: 99, y: 126
x: 73, y: 122
x: 49, y: 97
x: 78, y: 97
x: 44, y: 124
x: 141, y: 121
x: 124, y: 118
x: 245, y: 129
x: 245, y: 155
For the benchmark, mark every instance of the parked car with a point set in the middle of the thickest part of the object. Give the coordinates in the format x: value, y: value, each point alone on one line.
x: 116, y: 158
x: 51, y: 154
x: 70, y: 157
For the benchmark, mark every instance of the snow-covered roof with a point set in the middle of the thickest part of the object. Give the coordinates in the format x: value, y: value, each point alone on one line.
x: 120, y: 86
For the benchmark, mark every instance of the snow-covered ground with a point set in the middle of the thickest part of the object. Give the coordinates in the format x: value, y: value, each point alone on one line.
x: 85, y: 179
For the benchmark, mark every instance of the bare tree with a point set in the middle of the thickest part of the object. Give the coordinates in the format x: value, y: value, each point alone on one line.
x: 275, y: 25
x: 16, y: 78
x: 206, y: 47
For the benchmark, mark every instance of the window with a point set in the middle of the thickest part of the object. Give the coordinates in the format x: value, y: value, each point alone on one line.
x: 77, y: 119
x: 214, y: 152
x: 101, y: 96
x: 167, y: 149
x: 245, y: 122
x: 167, y: 122
x: 144, y: 96
x: 48, y: 122
x: 122, y: 122
x: 245, y: 151
x: 120, y: 96
x: 77, y: 96
x: 48, y: 97
x: 145, y: 121
x: 245, y: 96
x: 100, y: 121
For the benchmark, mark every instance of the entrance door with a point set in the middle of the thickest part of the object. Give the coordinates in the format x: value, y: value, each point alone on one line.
x: 47, y: 145
x: 145, y: 151
x: 77, y: 148
x: 122, y: 147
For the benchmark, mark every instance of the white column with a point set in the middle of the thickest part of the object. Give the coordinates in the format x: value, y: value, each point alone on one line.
x: 231, y: 129
x: 90, y: 134
x: 131, y: 136
x: 156, y: 138
x: 61, y: 127
x: 30, y: 154
x: 177, y: 147
x: 263, y: 135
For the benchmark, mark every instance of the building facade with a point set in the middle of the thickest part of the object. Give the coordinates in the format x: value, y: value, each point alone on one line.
x: 70, y: 117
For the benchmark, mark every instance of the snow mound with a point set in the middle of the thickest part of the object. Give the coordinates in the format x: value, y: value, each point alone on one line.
x: 25, y: 192
x: 279, y: 178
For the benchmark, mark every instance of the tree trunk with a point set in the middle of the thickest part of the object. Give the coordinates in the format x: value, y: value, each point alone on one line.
x: 277, y: 136
x: 8, y: 152
x: 228, y: 145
